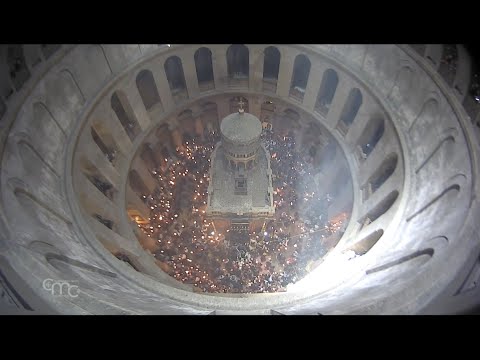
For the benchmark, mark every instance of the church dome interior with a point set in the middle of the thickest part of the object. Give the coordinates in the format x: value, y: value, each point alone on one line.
x: 239, y: 179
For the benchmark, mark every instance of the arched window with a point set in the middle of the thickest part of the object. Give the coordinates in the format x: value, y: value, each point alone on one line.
x: 187, y: 123
x: 271, y: 66
x: 238, y: 65
x: 326, y: 91
x: 301, y: 72
x: 122, y: 109
x: 204, y: 67
x: 350, y: 110
x: 176, y: 79
x: 370, y: 137
x: 147, y: 89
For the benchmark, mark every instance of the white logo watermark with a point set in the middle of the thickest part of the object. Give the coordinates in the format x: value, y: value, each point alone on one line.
x: 60, y: 287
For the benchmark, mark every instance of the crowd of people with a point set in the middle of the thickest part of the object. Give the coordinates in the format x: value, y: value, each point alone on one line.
x: 281, y: 253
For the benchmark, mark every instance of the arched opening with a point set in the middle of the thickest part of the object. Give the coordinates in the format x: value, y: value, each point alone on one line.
x: 238, y: 65
x: 378, y: 178
x: 148, y: 89
x: 17, y: 67
x: 106, y: 145
x: 326, y: 91
x: 301, y: 72
x: 378, y: 210
x: 271, y: 67
x: 124, y: 112
x: 350, y: 110
x: 370, y: 137
x: 176, y: 78
x: 204, y: 67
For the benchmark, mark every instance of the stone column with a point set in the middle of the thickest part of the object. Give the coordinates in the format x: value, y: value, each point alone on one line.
x: 190, y: 73
x: 313, y: 85
x: 255, y: 106
x: 177, y: 137
x: 341, y: 94
x: 256, y: 60
x: 93, y: 153
x: 139, y: 166
x: 219, y: 63
x: 285, y: 73
x: 136, y: 103
x: 364, y: 114
x: 223, y: 109
x: 161, y: 81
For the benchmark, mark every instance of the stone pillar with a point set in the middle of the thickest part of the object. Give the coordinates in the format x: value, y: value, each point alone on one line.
x: 190, y: 73
x: 93, y: 153
x: 341, y: 94
x: 382, y: 149
x: 255, y: 106
x: 313, y: 86
x: 223, y: 109
x: 161, y: 81
x: 198, y: 125
x: 366, y: 111
x: 139, y: 166
x: 285, y: 73
x: 177, y: 137
x: 256, y: 60
x: 94, y: 201
x: 219, y: 63
x: 136, y: 103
